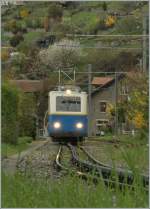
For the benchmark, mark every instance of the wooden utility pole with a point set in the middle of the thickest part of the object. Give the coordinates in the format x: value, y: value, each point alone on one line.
x: 144, y: 43
x: 116, y: 100
x: 89, y: 98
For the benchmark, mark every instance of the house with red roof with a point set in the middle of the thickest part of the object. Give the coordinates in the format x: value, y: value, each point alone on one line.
x: 107, y: 92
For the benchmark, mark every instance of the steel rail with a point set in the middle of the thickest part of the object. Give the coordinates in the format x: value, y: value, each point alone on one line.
x: 61, y: 166
x: 105, y: 171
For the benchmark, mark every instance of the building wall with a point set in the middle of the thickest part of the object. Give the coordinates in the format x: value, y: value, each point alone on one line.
x: 108, y: 95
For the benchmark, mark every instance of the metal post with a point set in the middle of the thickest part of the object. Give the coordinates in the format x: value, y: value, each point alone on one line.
x: 89, y: 98
x: 74, y: 76
x: 59, y: 76
x: 37, y: 130
x: 116, y: 99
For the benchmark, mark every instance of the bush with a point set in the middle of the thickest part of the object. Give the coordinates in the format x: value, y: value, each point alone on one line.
x: 26, y: 115
x: 15, y: 40
x: 55, y: 11
x: 129, y: 25
x: 25, y: 139
x: 10, y: 100
x: 18, y: 112
x: 4, y: 55
x: 24, y: 13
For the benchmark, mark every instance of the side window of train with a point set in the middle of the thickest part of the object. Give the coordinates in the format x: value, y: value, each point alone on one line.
x: 68, y: 104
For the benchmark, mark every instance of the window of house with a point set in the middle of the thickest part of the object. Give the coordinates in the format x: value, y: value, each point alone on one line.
x: 103, y: 106
x: 101, y: 122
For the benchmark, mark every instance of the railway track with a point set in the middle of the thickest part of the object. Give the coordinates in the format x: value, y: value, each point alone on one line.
x: 90, y: 168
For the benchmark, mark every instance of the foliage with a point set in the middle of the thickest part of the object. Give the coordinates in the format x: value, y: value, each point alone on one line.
x: 110, y: 21
x: 123, y: 7
x: 104, y: 6
x: 18, y: 114
x: 85, y: 22
x: 36, y: 23
x: 61, y: 55
x: 31, y: 37
x: 12, y: 149
x: 10, y: 25
x: 10, y: 101
x: 110, y: 109
x: 24, y: 13
x: 25, y: 139
x: 15, y: 40
x: 137, y: 108
x: 19, y: 63
x: 55, y: 11
x: 24, y: 192
x: 26, y: 115
x: 4, y: 55
x: 138, y: 120
x: 129, y: 25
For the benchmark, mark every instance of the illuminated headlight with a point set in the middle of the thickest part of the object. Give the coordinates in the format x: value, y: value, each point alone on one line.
x: 68, y: 91
x: 57, y: 125
x: 79, y: 125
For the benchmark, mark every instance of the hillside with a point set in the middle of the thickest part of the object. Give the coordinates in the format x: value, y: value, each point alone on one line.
x: 100, y: 29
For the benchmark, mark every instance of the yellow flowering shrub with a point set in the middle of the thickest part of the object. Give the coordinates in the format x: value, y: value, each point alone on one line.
x: 4, y: 55
x: 138, y: 120
x: 110, y: 21
x: 24, y: 13
x: 110, y: 109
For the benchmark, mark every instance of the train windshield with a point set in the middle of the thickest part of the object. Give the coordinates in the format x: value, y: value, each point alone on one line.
x: 68, y: 104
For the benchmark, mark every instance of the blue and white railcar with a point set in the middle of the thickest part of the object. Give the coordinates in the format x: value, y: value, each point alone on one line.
x: 67, y: 113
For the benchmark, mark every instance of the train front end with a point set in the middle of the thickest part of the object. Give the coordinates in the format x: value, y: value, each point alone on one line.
x: 67, y: 114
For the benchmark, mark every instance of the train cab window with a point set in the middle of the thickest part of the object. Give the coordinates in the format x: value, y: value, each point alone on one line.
x: 68, y: 104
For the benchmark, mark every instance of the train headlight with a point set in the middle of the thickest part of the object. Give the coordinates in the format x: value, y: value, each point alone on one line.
x: 68, y: 91
x: 79, y: 125
x: 57, y: 125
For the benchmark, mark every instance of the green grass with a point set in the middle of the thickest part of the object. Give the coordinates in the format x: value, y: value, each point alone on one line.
x: 136, y: 139
x: 32, y: 36
x: 19, y: 191
x: 130, y: 153
x: 70, y: 191
x: 134, y: 157
x: 10, y: 149
x: 85, y: 21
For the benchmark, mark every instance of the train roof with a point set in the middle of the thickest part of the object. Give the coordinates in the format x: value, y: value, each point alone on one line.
x: 74, y: 89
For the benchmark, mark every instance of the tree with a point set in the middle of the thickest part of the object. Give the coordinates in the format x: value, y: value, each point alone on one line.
x: 138, y: 103
x: 26, y: 114
x: 55, y: 11
x: 10, y: 101
x: 104, y: 6
x: 61, y: 55
x: 18, y: 113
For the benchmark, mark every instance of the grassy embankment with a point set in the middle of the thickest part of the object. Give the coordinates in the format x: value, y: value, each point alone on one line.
x: 69, y: 192
x: 21, y: 191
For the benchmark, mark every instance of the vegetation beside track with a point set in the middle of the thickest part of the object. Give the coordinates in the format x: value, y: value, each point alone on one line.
x: 11, y: 149
x: 67, y: 192
x: 128, y: 138
x: 122, y: 154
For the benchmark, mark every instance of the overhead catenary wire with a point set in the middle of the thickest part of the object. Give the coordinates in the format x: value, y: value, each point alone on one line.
x: 98, y: 47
